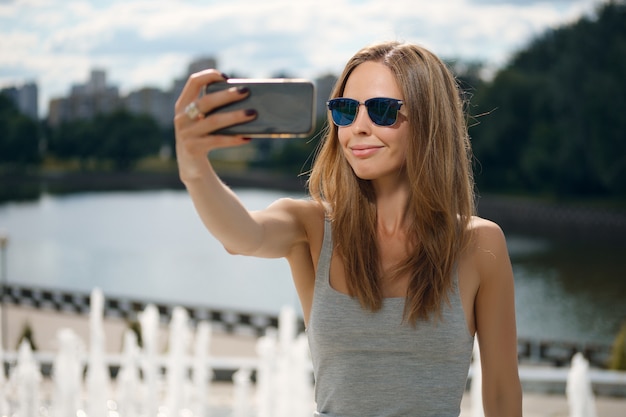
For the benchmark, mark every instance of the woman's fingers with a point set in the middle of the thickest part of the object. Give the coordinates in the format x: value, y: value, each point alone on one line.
x: 193, y: 105
x: 194, y: 86
x: 215, y: 122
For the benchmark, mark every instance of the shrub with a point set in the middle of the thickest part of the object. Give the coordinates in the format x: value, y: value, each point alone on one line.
x: 618, y: 354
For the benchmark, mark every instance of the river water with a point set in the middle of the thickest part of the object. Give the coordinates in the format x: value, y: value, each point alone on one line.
x: 151, y: 245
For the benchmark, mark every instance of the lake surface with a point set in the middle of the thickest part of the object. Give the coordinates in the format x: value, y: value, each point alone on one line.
x: 152, y: 246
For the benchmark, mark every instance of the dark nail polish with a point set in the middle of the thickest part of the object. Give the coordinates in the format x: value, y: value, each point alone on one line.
x: 250, y: 112
x: 224, y: 76
x: 243, y: 90
x: 247, y: 139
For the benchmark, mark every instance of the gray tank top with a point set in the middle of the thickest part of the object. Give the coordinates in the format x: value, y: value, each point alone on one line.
x: 372, y: 365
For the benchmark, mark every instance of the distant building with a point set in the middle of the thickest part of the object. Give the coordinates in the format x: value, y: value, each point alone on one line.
x: 25, y: 97
x: 196, y: 65
x: 95, y: 97
x: 85, y: 100
x: 153, y: 102
x: 200, y: 64
x: 324, y: 86
x: 163, y: 107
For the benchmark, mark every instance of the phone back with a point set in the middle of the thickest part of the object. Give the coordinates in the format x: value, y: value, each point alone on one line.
x: 285, y: 107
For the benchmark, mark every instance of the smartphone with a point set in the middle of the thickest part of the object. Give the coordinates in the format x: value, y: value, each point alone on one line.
x: 285, y: 106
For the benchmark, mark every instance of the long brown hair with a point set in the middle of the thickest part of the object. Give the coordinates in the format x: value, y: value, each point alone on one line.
x: 438, y: 167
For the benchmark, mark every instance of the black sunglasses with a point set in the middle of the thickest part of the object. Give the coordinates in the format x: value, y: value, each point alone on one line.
x: 382, y: 111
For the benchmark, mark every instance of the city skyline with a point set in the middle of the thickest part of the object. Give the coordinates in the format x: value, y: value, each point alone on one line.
x: 98, y: 96
x: 149, y: 43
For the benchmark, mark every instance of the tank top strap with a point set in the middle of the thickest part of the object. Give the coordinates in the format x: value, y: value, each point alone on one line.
x: 323, y: 263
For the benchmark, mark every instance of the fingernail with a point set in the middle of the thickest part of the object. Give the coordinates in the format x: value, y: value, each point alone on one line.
x: 246, y: 139
x: 224, y: 76
x: 250, y: 112
x: 243, y: 90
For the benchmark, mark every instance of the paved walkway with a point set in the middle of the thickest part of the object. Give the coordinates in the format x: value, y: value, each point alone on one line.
x: 542, y: 405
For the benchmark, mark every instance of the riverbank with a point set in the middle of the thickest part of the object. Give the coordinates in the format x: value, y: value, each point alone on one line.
x: 565, y: 220
x: 28, y: 185
x: 226, y: 347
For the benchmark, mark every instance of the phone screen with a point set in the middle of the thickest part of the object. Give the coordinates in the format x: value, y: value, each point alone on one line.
x: 285, y: 107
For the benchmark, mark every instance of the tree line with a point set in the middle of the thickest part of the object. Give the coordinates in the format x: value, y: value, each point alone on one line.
x: 116, y: 140
x: 550, y: 122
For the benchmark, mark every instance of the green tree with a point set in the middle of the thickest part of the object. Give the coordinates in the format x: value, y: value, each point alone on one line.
x: 76, y: 139
x: 555, y: 113
x: 120, y: 138
x: 19, y: 136
x: 501, y: 135
x: 28, y: 336
x: 126, y: 138
x: 292, y: 156
x: 618, y: 352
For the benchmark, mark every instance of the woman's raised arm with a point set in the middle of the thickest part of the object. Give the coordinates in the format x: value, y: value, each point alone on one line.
x: 266, y: 233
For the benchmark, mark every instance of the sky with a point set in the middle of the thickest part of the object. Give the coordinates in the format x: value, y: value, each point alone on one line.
x: 141, y: 43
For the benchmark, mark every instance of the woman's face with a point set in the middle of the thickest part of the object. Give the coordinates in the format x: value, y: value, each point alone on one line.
x: 374, y: 152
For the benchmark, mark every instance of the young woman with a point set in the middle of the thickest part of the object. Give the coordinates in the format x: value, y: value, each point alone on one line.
x: 394, y: 272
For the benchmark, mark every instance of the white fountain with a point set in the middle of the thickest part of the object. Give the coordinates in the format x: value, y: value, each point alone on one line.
x: 128, y: 381
x: 149, y: 321
x: 27, y: 379
x: 302, y: 378
x: 202, y: 374
x: 97, y: 380
x: 284, y: 380
x: 242, y: 404
x: 284, y: 385
x: 578, y: 390
x: 177, y: 364
x: 67, y: 374
x: 265, y: 389
x: 476, y: 394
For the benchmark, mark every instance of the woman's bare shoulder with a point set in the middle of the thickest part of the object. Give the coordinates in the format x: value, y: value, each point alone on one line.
x: 298, y: 206
x: 488, y: 245
x: 485, y: 232
x: 480, y: 223
x: 305, y: 211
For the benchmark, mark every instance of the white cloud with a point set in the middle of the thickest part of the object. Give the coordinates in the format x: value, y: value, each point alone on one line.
x: 150, y: 42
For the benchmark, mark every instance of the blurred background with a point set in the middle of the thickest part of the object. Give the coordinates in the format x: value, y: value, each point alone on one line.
x: 89, y: 192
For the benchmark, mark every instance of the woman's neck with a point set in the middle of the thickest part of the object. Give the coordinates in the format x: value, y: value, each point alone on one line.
x: 391, y: 204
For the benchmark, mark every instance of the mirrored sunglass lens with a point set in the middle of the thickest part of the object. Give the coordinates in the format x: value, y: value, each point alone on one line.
x: 343, y: 111
x: 382, y: 111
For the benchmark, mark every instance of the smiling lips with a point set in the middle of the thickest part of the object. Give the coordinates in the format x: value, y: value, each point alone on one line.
x: 363, y: 151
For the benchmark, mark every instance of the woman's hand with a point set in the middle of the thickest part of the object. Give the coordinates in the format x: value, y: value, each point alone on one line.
x: 194, y: 138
